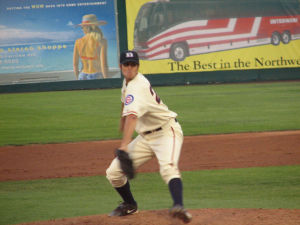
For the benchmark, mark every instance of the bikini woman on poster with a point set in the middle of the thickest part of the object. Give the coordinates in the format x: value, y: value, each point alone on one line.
x: 91, y: 49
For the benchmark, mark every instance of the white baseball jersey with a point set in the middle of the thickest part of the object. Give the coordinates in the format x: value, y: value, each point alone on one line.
x: 140, y: 99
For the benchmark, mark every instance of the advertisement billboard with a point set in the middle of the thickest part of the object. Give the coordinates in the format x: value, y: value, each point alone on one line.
x: 198, y: 35
x: 37, y: 40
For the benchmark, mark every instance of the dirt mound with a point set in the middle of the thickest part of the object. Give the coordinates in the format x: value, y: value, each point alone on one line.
x: 200, y: 217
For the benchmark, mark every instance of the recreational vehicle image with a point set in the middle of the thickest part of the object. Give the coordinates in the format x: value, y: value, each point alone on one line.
x: 176, y: 29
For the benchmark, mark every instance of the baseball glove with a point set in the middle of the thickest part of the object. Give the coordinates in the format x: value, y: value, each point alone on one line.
x: 126, y: 163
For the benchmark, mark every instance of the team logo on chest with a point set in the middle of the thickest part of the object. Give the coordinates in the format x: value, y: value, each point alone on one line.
x: 129, y: 99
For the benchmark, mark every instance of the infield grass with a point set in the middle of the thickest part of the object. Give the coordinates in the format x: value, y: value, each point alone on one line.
x: 269, y: 187
x: 69, y: 116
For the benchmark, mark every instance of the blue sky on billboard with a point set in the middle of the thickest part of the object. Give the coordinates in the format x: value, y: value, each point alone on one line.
x: 31, y: 21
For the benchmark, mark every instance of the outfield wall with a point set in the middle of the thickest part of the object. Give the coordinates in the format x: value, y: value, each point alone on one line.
x: 163, y: 80
x: 159, y: 79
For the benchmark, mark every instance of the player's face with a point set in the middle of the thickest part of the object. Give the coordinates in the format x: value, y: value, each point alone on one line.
x: 129, y: 70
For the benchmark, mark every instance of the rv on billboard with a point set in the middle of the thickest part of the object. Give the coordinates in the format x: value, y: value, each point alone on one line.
x: 176, y: 29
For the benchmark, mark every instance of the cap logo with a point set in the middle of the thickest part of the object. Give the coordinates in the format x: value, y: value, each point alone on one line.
x: 129, y: 55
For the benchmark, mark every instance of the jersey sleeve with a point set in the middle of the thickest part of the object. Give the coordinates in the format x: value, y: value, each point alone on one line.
x: 133, y: 102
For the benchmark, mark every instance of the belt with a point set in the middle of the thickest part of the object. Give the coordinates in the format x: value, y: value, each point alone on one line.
x: 157, y: 129
x: 152, y: 131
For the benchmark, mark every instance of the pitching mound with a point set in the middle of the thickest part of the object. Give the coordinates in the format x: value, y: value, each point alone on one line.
x: 200, y: 217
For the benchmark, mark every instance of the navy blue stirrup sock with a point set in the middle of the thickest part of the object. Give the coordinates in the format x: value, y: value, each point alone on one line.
x: 126, y: 194
x: 175, y: 187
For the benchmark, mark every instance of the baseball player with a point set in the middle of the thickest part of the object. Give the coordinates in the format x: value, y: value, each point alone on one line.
x: 159, y: 134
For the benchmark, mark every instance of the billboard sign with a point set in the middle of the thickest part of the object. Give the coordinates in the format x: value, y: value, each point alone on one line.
x: 198, y: 35
x: 37, y: 40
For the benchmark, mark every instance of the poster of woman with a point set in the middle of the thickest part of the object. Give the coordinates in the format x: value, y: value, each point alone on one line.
x: 37, y: 40
x: 91, y: 49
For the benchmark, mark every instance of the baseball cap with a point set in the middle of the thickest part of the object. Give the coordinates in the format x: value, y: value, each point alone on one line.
x: 129, y: 56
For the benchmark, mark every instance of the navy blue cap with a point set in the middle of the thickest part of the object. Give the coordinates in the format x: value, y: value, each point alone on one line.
x: 129, y: 56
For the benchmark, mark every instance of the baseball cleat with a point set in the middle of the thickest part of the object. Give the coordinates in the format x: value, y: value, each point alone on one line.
x: 124, y: 209
x: 179, y: 212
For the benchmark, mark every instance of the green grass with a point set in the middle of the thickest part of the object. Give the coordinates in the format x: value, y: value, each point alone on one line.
x: 58, y: 116
x: 269, y: 187
x: 53, y: 117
